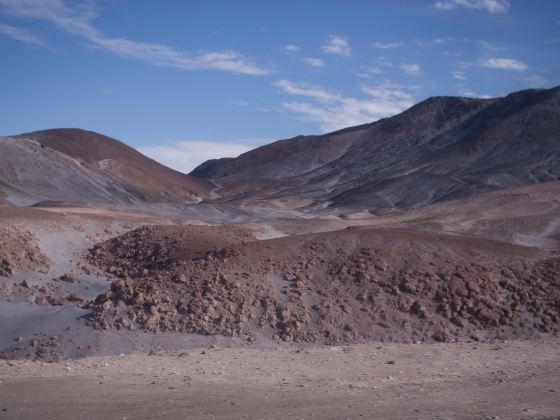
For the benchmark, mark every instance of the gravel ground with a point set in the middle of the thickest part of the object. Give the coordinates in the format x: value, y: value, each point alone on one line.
x: 499, y: 380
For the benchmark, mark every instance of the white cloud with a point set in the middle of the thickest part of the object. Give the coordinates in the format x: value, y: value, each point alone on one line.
x: 369, y: 71
x: 490, y: 46
x: 385, y: 62
x: 438, y: 42
x: 77, y: 21
x: 292, y: 48
x: 22, y: 35
x: 467, y: 92
x: 337, y: 45
x: 305, y: 89
x: 505, y: 64
x: 492, y: 6
x: 184, y: 156
x: 470, y: 94
x: 537, y: 80
x: 459, y: 75
x: 386, y: 46
x: 315, y: 62
x: 412, y: 69
x: 334, y: 111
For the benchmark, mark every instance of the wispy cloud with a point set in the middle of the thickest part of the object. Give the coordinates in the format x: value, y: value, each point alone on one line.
x: 369, y: 71
x: 337, y: 45
x: 438, y: 42
x: 458, y: 75
x: 22, y: 35
x: 77, y: 21
x: 490, y: 46
x: 412, y: 69
x: 386, y: 46
x: 385, y: 62
x: 306, y: 89
x: 464, y: 91
x: 334, y: 111
x: 315, y: 62
x: 492, y: 6
x: 537, y: 80
x: 504, y: 64
x: 184, y: 156
x: 291, y: 48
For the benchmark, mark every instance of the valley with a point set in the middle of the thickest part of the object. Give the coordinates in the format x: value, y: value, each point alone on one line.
x: 419, y: 254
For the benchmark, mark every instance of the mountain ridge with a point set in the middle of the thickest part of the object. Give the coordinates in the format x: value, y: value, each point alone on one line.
x: 442, y: 148
x: 449, y: 147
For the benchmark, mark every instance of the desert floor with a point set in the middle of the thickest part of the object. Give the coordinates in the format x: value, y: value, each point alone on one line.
x: 499, y: 380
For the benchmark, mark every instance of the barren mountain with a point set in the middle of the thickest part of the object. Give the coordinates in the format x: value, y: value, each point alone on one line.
x: 441, y: 149
x: 74, y: 165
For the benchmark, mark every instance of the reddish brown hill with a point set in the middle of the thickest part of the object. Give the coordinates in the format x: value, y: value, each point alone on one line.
x: 124, y: 161
x: 73, y: 165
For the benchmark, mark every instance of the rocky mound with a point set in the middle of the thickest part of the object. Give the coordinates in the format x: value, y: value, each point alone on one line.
x: 346, y: 286
x: 19, y: 251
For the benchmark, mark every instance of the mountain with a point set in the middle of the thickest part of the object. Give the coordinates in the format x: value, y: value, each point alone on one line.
x: 75, y: 165
x: 440, y: 149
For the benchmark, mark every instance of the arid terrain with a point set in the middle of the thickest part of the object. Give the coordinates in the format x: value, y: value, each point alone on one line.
x: 498, y: 380
x: 409, y: 268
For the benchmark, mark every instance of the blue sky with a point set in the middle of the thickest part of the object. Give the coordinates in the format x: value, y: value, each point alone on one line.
x: 183, y: 81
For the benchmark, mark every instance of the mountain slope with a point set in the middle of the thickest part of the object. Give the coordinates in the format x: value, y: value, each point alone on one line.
x: 441, y: 148
x: 78, y: 165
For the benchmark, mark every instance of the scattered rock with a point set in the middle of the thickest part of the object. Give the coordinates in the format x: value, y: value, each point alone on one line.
x: 335, y: 293
x: 69, y: 278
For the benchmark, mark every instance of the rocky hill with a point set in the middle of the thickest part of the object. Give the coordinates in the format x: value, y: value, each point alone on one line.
x: 80, y: 166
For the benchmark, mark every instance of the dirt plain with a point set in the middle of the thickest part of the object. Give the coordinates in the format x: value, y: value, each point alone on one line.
x: 498, y: 380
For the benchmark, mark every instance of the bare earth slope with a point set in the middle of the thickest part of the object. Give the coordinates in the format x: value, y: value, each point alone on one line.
x: 77, y: 165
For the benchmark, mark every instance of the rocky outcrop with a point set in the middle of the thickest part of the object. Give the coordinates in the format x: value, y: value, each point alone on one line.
x: 338, y: 287
x: 19, y: 251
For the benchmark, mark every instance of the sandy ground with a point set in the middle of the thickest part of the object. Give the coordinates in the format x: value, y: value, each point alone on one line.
x: 500, y: 380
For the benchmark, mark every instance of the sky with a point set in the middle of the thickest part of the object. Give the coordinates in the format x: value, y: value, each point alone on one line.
x: 185, y: 81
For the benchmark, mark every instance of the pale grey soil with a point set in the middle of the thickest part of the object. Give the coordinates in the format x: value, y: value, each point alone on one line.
x: 501, y: 380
